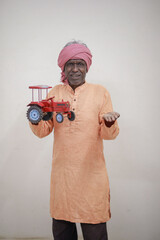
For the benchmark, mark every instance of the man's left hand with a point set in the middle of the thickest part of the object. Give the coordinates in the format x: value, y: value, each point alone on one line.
x: 110, y: 118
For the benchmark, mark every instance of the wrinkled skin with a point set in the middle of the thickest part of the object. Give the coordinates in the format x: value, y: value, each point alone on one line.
x: 75, y: 70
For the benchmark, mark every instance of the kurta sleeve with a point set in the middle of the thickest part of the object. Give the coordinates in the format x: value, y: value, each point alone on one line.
x: 107, y: 133
x: 43, y: 128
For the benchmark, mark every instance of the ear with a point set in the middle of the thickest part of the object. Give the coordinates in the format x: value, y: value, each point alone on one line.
x: 86, y: 67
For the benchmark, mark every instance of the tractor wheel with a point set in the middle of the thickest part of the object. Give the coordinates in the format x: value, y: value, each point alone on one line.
x: 48, y: 116
x: 59, y: 118
x: 34, y: 114
x: 72, y: 116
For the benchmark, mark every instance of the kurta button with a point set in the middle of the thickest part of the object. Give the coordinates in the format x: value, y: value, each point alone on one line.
x: 73, y: 109
x: 74, y: 99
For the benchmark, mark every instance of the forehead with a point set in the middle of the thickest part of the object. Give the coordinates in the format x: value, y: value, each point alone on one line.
x: 75, y: 61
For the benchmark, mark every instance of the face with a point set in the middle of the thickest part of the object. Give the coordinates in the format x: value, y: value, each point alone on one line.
x: 75, y: 71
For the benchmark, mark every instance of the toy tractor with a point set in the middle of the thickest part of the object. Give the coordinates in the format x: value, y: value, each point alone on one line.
x: 43, y: 109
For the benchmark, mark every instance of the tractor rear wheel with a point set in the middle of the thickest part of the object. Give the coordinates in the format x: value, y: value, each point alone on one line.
x: 72, y: 116
x: 47, y: 116
x: 59, y: 118
x: 34, y: 114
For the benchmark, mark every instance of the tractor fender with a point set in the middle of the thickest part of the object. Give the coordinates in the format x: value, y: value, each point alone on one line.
x: 39, y: 104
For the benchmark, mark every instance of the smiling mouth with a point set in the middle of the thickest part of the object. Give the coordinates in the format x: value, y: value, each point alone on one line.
x: 75, y: 76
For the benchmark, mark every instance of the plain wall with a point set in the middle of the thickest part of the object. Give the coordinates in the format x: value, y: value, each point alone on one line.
x: 123, y: 36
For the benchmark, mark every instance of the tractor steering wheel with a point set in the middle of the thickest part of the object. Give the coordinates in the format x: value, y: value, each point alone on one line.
x: 50, y: 98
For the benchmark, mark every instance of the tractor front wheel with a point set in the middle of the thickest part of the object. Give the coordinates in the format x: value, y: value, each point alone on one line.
x: 59, y: 118
x: 71, y: 116
x: 34, y: 114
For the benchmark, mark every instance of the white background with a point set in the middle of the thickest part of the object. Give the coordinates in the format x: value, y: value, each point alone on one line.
x: 123, y: 36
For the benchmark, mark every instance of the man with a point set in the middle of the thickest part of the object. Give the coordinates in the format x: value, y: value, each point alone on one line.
x: 79, y: 181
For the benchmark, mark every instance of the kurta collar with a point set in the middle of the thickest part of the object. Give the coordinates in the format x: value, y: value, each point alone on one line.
x: 78, y: 89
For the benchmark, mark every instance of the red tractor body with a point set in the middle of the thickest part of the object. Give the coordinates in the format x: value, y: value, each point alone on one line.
x: 49, y: 105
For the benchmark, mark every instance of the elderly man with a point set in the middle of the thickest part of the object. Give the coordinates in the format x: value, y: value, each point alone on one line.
x: 79, y: 189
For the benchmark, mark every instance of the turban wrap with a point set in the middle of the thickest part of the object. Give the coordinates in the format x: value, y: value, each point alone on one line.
x: 73, y: 51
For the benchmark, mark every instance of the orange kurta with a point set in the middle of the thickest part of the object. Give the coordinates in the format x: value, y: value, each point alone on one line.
x: 79, y: 189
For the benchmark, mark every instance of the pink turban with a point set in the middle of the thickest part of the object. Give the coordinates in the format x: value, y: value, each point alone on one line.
x: 73, y: 51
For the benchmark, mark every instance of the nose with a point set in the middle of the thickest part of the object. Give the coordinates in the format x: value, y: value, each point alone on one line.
x: 75, y: 68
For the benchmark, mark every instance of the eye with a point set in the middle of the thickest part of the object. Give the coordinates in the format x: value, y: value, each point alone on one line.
x: 80, y: 64
x: 70, y: 64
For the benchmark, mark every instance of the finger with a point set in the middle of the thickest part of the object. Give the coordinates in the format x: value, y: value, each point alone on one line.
x: 110, y: 119
x: 116, y: 115
x: 113, y: 118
